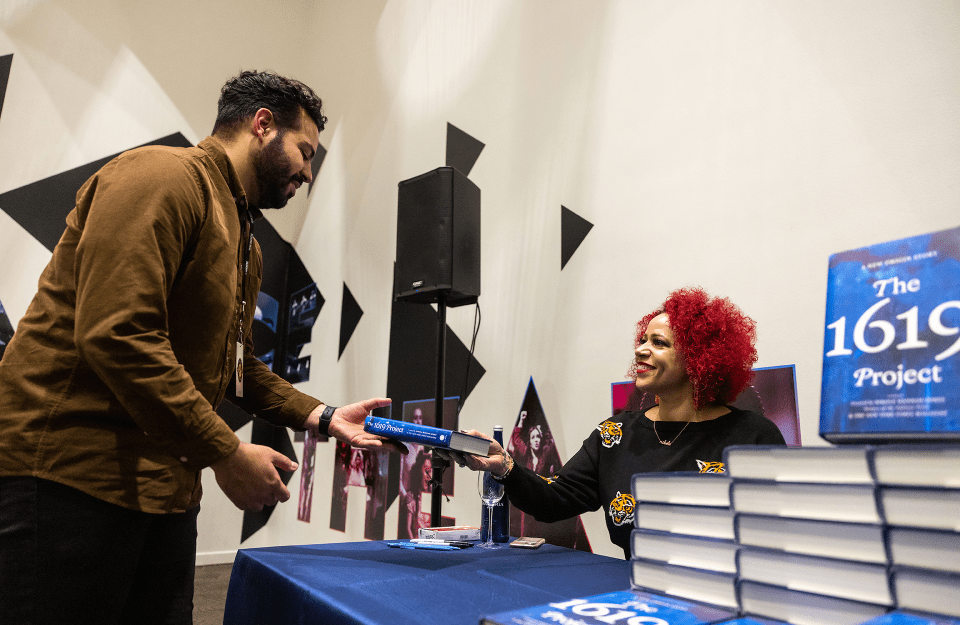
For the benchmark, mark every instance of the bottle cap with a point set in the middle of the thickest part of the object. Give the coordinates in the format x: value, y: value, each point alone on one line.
x: 497, y: 427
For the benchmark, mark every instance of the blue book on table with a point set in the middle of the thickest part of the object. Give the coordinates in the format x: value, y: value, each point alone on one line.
x: 622, y: 606
x: 891, y: 354
x: 430, y: 436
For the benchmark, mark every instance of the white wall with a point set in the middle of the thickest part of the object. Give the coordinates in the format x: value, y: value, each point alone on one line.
x: 733, y: 144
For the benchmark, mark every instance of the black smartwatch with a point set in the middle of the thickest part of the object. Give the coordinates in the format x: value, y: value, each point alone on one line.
x: 325, y: 417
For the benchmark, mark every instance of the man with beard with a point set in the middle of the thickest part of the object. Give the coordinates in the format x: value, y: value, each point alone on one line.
x: 140, y: 327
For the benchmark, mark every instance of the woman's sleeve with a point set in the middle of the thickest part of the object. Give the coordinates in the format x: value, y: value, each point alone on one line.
x: 572, y: 491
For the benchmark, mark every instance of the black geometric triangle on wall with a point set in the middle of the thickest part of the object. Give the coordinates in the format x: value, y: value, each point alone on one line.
x: 315, y: 165
x: 350, y: 314
x: 41, y: 207
x: 570, y: 532
x: 5, y: 62
x: 276, y: 438
x: 462, y: 150
x: 573, y: 230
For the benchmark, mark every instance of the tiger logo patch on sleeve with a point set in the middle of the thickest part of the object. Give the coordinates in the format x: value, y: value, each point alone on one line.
x: 610, y: 433
x: 621, y: 509
x: 711, y: 467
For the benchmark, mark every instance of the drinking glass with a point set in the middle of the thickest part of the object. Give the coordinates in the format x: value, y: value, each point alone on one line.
x: 491, y: 491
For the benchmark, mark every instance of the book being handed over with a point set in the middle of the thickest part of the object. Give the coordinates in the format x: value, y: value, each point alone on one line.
x: 427, y: 435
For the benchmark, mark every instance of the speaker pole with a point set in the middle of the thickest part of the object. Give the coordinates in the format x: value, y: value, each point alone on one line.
x: 439, y: 464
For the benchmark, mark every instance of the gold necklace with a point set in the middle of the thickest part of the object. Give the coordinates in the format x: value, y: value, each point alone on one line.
x: 663, y: 442
x: 668, y: 443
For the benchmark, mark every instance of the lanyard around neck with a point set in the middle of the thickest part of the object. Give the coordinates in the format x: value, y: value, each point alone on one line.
x: 248, y: 244
x: 248, y: 219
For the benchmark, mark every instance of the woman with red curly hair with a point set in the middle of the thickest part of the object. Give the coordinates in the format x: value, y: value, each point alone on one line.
x: 694, y: 354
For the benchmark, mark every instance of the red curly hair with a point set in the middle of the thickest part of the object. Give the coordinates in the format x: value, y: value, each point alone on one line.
x: 716, y: 340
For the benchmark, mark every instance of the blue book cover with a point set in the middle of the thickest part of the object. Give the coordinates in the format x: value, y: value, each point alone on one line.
x: 622, y: 606
x: 891, y: 350
x: 430, y: 436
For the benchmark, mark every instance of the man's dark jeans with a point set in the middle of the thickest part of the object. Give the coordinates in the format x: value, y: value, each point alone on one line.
x: 67, y: 557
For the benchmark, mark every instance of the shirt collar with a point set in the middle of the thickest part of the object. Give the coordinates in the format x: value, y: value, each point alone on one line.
x: 214, y: 149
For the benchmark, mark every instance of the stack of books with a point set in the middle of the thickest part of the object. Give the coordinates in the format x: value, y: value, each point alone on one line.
x: 809, y: 528
x: 683, y: 543
x: 850, y: 535
x: 919, y: 488
x: 840, y: 535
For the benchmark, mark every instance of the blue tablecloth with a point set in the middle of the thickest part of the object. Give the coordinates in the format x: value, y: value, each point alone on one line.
x: 369, y: 582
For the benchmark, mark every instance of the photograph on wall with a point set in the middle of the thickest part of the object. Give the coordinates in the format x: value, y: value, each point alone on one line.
x: 340, y: 492
x: 307, y: 472
x: 772, y: 393
x: 416, y: 468
x: 530, y: 441
x: 298, y: 370
x: 363, y: 473
x: 303, y: 308
x: 891, y: 342
x: 375, y: 471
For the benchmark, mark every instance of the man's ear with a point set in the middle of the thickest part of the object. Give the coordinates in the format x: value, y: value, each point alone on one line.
x: 263, y: 123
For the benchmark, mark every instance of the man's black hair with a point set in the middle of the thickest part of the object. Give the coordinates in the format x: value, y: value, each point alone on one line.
x: 242, y: 96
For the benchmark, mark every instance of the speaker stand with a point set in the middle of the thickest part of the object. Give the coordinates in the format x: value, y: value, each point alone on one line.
x: 439, y: 464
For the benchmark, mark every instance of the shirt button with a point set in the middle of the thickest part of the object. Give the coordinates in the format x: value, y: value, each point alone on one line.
x: 183, y: 459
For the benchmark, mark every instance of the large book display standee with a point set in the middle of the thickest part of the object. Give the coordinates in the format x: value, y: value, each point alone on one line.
x: 890, y: 365
x: 438, y: 262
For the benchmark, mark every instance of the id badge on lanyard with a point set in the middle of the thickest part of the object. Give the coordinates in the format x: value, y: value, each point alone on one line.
x: 238, y: 375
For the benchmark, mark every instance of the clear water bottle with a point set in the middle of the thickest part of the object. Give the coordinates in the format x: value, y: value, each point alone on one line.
x: 501, y: 510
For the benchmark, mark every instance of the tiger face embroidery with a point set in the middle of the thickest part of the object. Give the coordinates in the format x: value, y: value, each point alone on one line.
x: 610, y: 433
x: 711, y: 467
x: 621, y: 509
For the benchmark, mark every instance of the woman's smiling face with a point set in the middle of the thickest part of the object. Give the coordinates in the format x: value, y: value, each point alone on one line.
x: 660, y: 368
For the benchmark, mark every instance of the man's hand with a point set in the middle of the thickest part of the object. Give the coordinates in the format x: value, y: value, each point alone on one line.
x: 347, y: 426
x: 249, y: 476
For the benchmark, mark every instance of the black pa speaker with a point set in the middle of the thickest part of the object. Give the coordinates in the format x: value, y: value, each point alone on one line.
x: 438, y: 239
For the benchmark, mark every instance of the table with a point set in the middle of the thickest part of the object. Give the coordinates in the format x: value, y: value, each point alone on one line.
x: 369, y: 582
